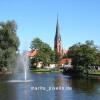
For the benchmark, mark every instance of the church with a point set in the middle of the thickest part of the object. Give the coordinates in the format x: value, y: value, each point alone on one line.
x: 58, y: 47
x: 57, y: 40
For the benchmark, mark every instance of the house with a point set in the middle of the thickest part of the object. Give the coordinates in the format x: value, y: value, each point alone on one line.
x: 32, y: 53
x: 66, y: 62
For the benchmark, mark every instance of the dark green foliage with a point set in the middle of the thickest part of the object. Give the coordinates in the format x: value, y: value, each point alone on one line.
x: 9, y: 43
x: 65, y: 56
x: 57, y: 57
x: 45, y: 53
x: 84, y: 56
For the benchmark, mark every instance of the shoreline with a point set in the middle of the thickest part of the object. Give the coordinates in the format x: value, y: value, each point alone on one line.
x: 5, y: 73
x: 46, y: 71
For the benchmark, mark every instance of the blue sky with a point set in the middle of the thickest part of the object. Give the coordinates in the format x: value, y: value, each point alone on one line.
x: 79, y: 20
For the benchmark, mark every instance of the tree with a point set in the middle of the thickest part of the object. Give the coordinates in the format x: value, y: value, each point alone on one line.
x: 58, y: 57
x: 9, y: 43
x: 45, y: 53
x: 84, y: 55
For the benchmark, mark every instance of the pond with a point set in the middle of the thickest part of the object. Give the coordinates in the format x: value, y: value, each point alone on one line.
x: 50, y: 86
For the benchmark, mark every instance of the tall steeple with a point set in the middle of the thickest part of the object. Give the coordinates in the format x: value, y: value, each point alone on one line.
x: 57, y: 40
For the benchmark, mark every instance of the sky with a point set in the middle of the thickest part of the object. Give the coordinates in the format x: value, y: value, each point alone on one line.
x: 79, y: 20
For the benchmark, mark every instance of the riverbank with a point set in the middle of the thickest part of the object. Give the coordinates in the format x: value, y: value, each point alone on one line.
x: 75, y: 73
x: 47, y: 70
x: 96, y: 72
x: 5, y: 73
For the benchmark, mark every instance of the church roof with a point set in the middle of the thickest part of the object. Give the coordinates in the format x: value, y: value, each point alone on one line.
x: 57, y: 36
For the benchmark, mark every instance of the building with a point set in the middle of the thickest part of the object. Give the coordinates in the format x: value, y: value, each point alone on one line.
x: 57, y: 40
x: 32, y: 53
x: 58, y: 47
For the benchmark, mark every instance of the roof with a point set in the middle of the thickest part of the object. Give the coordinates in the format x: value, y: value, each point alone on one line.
x: 57, y: 36
x: 65, y: 60
x: 32, y: 53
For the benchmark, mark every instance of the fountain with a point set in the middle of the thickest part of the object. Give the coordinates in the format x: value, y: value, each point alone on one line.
x: 22, y: 66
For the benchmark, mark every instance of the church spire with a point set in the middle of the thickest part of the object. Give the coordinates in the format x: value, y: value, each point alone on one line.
x: 57, y: 41
x: 57, y: 30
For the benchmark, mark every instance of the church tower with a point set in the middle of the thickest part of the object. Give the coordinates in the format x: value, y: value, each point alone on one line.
x: 57, y: 40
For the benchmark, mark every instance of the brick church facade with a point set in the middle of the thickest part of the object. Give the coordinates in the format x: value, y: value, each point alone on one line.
x: 58, y: 46
x: 57, y: 40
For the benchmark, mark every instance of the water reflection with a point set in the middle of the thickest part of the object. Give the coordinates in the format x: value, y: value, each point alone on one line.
x: 7, y: 91
x: 23, y: 91
x: 78, y: 88
x: 58, y: 82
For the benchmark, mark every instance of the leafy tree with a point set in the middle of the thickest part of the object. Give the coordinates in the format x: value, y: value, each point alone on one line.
x: 9, y: 43
x: 65, y: 56
x: 45, y: 53
x: 58, y: 57
x: 84, y: 55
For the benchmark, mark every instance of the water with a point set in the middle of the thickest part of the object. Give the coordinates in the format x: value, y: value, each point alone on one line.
x: 25, y: 73
x: 75, y: 88
x: 24, y: 64
x: 22, y: 69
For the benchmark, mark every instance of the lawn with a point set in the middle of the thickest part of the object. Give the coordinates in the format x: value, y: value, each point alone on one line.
x: 47, y: 70
x: 96, y: 72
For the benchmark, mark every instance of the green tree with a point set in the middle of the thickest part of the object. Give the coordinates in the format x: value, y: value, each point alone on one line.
x: 58, y: 57
x: 9, y: 43
x: 45, y: 53
x: 84, y: 55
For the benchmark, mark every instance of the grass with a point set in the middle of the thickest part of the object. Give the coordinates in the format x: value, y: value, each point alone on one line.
x: 47, y: 70
x: 95, y: 72
x: 40, y: 70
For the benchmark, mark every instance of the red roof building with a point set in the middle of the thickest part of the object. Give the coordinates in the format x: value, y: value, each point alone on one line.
x: 66, y: 61
x: 32, y: 53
